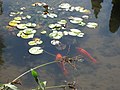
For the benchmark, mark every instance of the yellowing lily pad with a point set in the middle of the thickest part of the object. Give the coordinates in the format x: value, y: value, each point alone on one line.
x: 13, y: 24
x: 18, y: 18
x: 36, y: 50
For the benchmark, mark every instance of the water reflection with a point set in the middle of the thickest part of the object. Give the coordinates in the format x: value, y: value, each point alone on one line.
x: 114, y: 22
x: 1, y: 7
x: 96, y: 6
x: 1, y: 47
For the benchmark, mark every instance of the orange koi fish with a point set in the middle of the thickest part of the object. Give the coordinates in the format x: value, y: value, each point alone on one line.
x: 83, y: 51
x: 62, y: 64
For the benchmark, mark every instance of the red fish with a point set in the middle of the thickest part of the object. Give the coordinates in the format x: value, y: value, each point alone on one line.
x: 83, y: 51
x: 62, y: 63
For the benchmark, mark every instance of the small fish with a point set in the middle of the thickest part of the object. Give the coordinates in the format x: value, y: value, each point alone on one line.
x: 62, y: 63
x: 83, y: 51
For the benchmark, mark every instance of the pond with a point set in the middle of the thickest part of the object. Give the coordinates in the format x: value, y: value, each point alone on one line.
x: 101, y: 41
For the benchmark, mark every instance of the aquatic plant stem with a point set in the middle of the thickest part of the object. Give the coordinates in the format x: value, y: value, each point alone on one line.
x: 33, y: 69
x: 60, y: 86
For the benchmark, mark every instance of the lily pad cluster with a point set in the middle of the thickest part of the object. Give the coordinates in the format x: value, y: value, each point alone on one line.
x: 68, y: 7
x: 22, y: 21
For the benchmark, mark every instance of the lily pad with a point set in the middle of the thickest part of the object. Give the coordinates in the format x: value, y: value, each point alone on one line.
x: 62, y: 22
x: 52, y: 15
x: 29, y: 31
x: 21, y: 26
x: 18, y: 18
x: 36, y: 50
x: 43, y: 32
x: 55, y: 42
x: 92, y: 25
x: 56, y: 35
x: 13, y: 24
x: 65, y: 5
x: 30, y: 24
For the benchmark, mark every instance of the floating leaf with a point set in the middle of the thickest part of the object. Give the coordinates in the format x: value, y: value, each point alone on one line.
x: 21, y: 26
x: 85, y: 16
x: 13, y: 24
x: 92, y: 25
x: 29, y: 31
x: 55, y: 42
x: 30, y: 24
x: 62, y: 22
x: 18, y: 18
x: 36, y: 50
x: 43, y: 32
x: 65, y: 5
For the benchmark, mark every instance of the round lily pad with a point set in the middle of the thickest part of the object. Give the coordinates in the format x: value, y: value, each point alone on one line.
x: 30, y: 24
x: 36, y: 50
x: 29, y: 31
x: 12, y: 23
x: 18, y: 18
x: 43, y: 32
x: 62, y: 22
x: 65, y: 5
x: 32, y: 43
x: 21, y: 26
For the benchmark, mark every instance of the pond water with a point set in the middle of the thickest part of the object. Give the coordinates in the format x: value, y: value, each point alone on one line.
x: 103, y: 43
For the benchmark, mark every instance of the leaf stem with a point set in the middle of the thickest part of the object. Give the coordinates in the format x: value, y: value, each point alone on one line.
x: 33, y: 69
x: 60, y: 86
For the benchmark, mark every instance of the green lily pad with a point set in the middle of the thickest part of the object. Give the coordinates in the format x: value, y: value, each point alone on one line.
x: 36, y: 50
x: 18, y: 18
x: 21, y: 26
x: 65, y: 5
x: 30, y: 24
x: 62, y: 22
x: 43, y: 32
x: 29, y: 31
x: 92, y: 25
x: 52, y: 15
x: 56, y: 35
x: 55, y: 42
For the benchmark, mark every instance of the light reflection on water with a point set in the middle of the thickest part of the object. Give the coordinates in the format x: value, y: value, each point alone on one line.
x: 103, y: 43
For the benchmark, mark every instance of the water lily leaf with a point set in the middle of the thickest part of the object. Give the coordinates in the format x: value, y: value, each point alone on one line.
x: 92, y: 25
x: 43, y: 32
x: 65, y: 32
x: 32, y: 43
x: 80, y: 34
x: 30, y: 24
x: 36, y: 50
x: 55, y: 42
x: 13, y: 24
x: 21, y: 26
x: 29, y: 31
x: 62, y: 22
x: 85, y: 16
x: 82, y: 24
x: 52, y: 15
x: 65, y: 5
x: 27, y: 36
x: 18, y: 18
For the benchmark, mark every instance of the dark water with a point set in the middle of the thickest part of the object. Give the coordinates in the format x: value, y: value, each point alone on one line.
x: 103, y: 43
